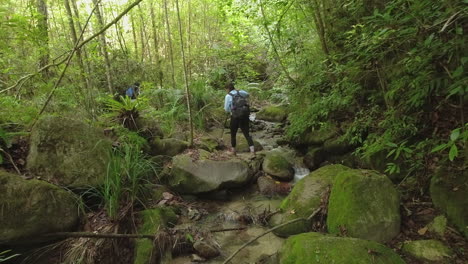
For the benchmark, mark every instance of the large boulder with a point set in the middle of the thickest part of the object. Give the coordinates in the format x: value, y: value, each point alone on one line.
x: 304, y: 199
x: 364, y: 204
x: 148, y: 127
x: 428, y: 251
x: 272, y: 113
x: 68, y: 152
x: 317, y: 248
x: 449, y: 190
x: 317, y: 136
x: 314, y: 157
x: 277, y: 166
x: 167, y: 146
x: 198, y: 176
x: 337, y: 146
x: 30, y: 208
x: 152, y: 220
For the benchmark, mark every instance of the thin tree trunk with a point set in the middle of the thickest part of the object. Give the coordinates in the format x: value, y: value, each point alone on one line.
x: 135, y: 41
x: 43, y: 27
x: 187, y: 91
x: 142, y: 34
x: 170, y: 45
x: 79, y: 57
x: 318, y: 19
x: 275, y: 50
x: 159, y: 74
x: 102, y: 38
x: 84, y: 51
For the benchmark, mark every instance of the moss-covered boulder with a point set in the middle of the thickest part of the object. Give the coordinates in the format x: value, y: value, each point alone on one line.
x: 438, y: 225
x: 317, y: 248
x: 365, y: 204
x: 317, y: 136
x: 337, y: 146
x: 152, y: 220
x: 449, y: 190
x: 168, y: 146
x: 208, y: 144
x: 68, y: 152
x: 314, y: 157
x: 241, y: 142
x: 148, y: 127
x: 198, y: 176
x: 304, y: 199
x: 272, y: 113
x: 30, y: 208
x: 428, y: 251
x: 277, y: 166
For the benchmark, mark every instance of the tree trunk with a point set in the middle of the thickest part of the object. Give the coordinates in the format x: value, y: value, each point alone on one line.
x: 170, y: 45
x: 102, y: 39
x: 43, y: 27
x: 159, y: 73
x: 187, y: 91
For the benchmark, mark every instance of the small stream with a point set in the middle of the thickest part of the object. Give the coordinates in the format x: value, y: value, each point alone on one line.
x: 226, y: 214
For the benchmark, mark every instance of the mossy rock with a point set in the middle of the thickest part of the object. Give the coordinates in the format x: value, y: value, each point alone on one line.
x: 152, y: 221
x: 30, y: 208
x: 449, y: 190
x: 337, y: 146
x: 317, y: 248
x: 378, y: 161
x: 208, y: 144
x: 68, y: 152
x: 314, y: 157
x: 316, y: 137
x: 277, y: 166
x: 241, y: 142
x: 428, y: 251
x: 148, y: 127
x: 304, y: 199
x: 365, y: 204
x: 438, y: 225
x: 199, y: 176
x: 272, y: 113
x: 168, y: 146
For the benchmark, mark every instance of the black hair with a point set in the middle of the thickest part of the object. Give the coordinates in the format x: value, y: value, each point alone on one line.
x: 136, y: 84
x: 230, y: 86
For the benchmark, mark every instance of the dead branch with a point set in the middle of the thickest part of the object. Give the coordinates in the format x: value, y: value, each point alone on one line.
x: 271, y: 230
x: 11, y: 160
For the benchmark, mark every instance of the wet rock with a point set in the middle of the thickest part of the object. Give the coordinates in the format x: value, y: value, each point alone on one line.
x: 314, y: 157
x: 152, y: 221
x: 428, y: 251
x: 30, y: 208
x: 277, y: 166
x: 167, y: 146
x: 318, y: 248
x: 192, y: 177
x: 304, y: 199
x: 268, y: 186
x: 205, y: 250
x: 272, y: 114
x: 364, y: 204
x: 449, y: 193
x: 438, y: 225
x: 68, y: 152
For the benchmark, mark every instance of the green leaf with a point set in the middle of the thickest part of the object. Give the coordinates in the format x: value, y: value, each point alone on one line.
x: 455, y: 134
x: 453, y: 152
x: 458, y: 72
x: 439, y: 148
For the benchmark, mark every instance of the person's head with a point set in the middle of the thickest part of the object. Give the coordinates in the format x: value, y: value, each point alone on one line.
x: 229, y: 87
x: 136, y: 84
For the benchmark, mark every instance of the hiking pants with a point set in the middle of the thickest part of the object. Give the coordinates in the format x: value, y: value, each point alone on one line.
x: 243, y: 124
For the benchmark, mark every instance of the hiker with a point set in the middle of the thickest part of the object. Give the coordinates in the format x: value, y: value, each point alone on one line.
x: 133, y: 91
x: 237, y: 105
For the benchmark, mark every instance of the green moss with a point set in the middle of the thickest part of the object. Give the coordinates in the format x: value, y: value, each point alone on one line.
x: 208, y: 144
x: 276, y: 165
x: 449, y: 193
x: 314, y: 157
x: 304, y: 199
x: 318, y: 136
x: 69, y: 152
x: 273, y: 114
x: 365, y: 204
x: 438, y: 225
x: 152, y: 221
x: 168, y: 146
x: 29, y: 208
x: 316, y: 248
x: 427, y: 250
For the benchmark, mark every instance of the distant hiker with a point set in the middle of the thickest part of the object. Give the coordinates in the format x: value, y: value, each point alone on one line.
x: 236, y: 103
x: 133, y: 91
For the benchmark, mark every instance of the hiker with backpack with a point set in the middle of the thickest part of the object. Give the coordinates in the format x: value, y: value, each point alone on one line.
x: 133, y: 91
x: 236, y: 103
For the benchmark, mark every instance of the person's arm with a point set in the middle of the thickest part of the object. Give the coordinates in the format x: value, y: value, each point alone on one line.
x: 227, y: 103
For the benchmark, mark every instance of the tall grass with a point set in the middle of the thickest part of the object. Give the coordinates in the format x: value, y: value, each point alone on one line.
x: 127, y: 173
